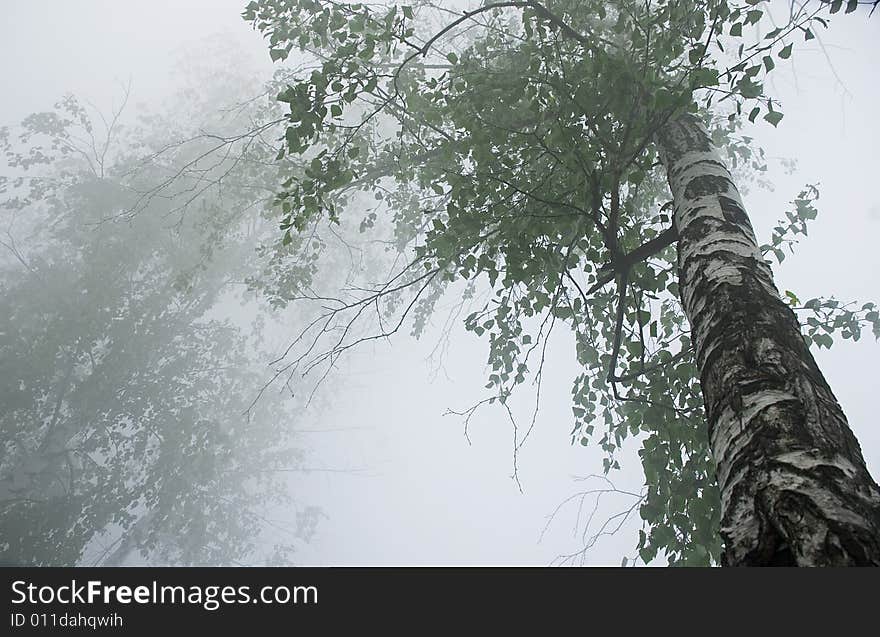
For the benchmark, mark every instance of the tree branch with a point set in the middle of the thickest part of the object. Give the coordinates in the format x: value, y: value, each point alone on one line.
x: 626, y: 261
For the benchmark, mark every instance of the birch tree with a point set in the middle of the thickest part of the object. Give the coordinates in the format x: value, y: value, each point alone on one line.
x: 563, y: 157
x: 128, y: 427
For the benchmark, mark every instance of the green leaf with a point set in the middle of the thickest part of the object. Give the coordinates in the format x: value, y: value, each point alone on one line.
x: 823, y: 340
x: 704, y: 77
x: 774, y: 117
x: 452, y: 57
x: 785, y: 53
x: 747, y: 88
x: 769, y: 64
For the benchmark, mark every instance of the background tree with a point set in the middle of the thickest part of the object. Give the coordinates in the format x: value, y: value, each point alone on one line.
x: 520, y: 140
x: 129, y: 424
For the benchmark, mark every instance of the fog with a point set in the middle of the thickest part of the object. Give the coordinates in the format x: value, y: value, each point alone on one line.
x: 396, y: 479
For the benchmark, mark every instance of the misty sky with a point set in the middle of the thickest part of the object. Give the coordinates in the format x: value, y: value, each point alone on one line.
x: 399, y: 482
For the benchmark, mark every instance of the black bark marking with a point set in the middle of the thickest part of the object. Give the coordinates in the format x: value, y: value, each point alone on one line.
x: 733, y: 213
x: 702, y: 162
x: 707, y: 185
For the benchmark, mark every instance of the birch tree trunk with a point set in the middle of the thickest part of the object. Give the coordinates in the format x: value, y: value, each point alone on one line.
x: 794, y: 486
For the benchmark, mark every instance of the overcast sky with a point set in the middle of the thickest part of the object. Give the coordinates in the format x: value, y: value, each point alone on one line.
x: 403, y: 486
